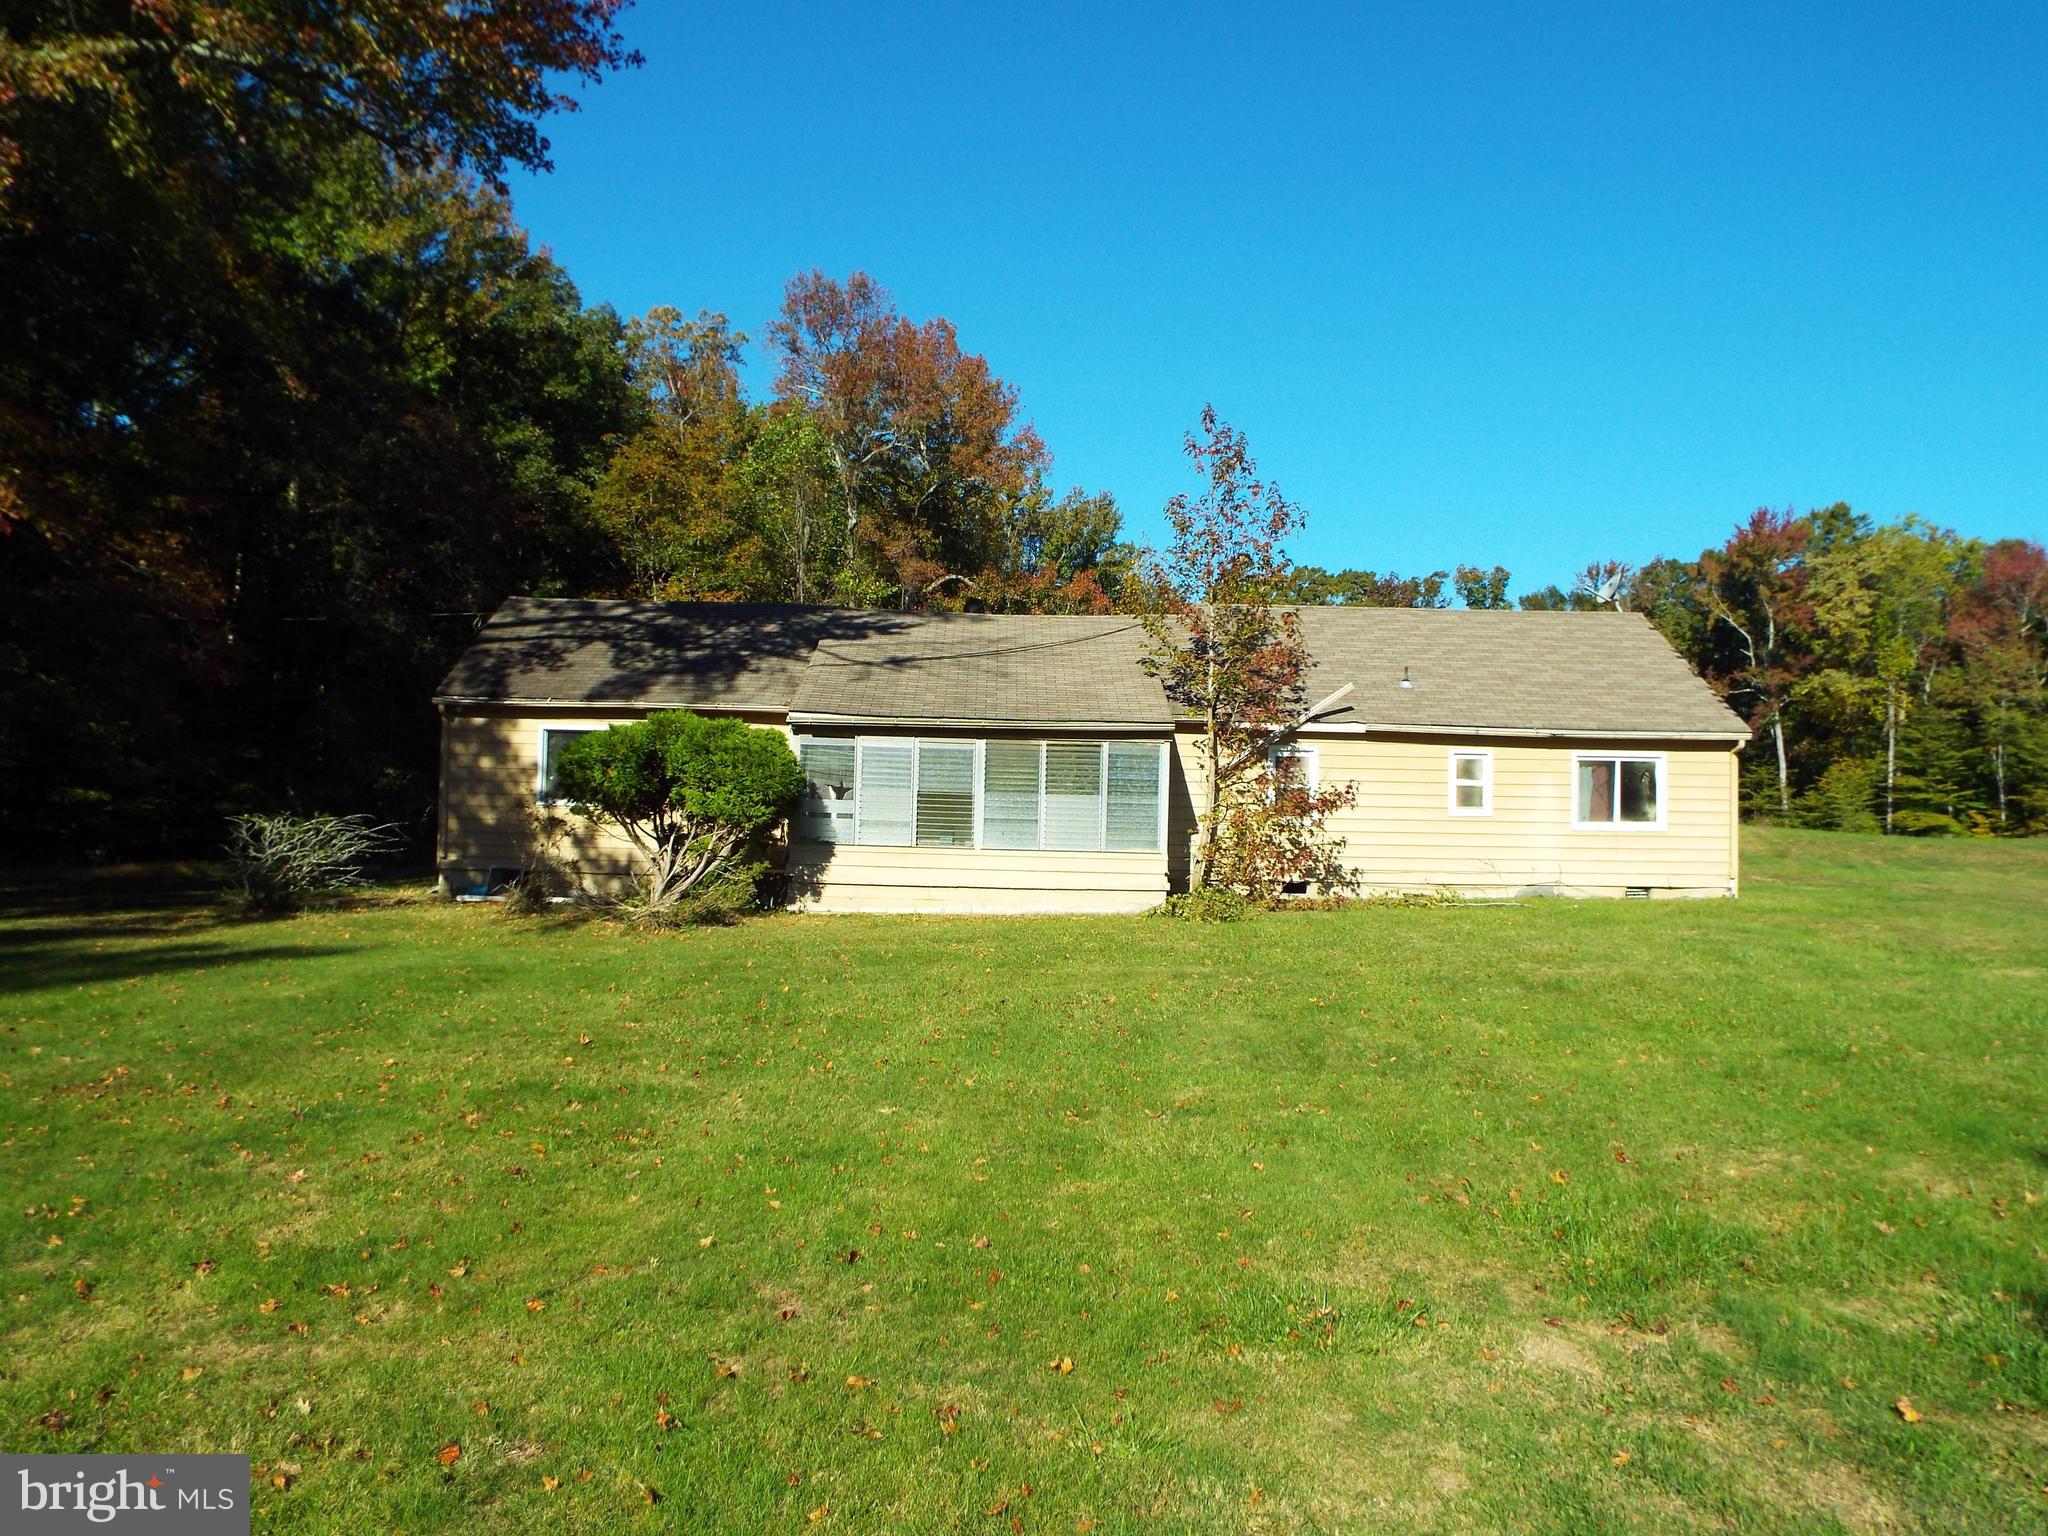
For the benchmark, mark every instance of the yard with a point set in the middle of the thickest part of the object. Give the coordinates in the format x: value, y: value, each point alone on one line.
x: 1550, y: 1217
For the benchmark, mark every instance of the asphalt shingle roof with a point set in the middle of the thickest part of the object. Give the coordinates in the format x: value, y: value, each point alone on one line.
x: 1565, y: 673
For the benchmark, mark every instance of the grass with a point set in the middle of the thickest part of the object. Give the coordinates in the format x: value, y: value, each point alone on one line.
x: 1553, y: 1217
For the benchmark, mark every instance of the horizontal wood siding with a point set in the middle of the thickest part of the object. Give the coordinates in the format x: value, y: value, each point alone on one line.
x: 1402, y: 835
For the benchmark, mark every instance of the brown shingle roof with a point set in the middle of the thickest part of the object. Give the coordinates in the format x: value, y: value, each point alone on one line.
x: 1562, y: 673
x: 540, y: 650
x: 1012, y: 669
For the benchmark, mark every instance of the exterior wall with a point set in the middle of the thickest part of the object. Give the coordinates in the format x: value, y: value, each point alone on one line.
x: 490, y: 773
x: 851, y: 877
x: 490, y: 770
x: 1402, y: 836
x: 859, y: 877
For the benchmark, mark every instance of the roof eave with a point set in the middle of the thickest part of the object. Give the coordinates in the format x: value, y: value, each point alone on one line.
x: 982, y: 722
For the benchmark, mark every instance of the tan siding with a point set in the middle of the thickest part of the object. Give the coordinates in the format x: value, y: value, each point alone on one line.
x: 1401, y: 833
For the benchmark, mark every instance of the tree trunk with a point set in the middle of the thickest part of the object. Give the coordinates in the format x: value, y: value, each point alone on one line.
x: 1998, y: 775
x: 1891, y: 751
x: 1784, y: 786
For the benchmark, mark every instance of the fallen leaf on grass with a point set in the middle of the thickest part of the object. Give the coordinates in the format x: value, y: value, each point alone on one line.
x: 1622, y: 1458
x: 535, y: 1304
x: 1907, y: 1411
x: 450, y: 1453
x: 1231, y: 1406
x: 820, y: 1512
x: 859, y: 1383
x: 1064, y: 1365
x: 663, y: 1419
x: 549, y: 1484
x: 192, y: 1373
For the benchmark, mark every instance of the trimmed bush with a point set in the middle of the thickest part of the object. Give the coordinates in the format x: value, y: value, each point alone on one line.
x: 692, y: 795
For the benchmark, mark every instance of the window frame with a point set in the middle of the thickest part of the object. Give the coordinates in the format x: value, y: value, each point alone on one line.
x: 543, y: 793
x: 1484, y: 756
x: 1301, y: 751
x: 1659, y: 760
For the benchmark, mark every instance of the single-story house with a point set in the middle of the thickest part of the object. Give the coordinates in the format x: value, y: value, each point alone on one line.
x: 963, y: 762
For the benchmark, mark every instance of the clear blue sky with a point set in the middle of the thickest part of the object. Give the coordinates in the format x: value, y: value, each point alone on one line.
x: 1529, y: 285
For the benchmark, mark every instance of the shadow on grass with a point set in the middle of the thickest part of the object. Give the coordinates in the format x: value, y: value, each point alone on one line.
x: 47, y: 959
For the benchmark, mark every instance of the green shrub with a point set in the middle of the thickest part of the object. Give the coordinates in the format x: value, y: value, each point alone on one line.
x: 278, y: 862
x: 692, y: 795
x: 1208, y: 904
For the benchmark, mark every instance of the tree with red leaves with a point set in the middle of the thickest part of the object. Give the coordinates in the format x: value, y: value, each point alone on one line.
x: 1231, y: 655
x: 925, y: 443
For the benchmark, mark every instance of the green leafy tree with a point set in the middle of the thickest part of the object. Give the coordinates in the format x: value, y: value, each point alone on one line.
x: 1479, y: 588
x: 1881, y: 604
x: 691, y: 794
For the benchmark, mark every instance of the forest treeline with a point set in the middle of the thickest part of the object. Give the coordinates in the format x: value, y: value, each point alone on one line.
x: 288, y: 402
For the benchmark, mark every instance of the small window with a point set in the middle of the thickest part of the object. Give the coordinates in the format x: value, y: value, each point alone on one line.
x: 1471, y: 783
x: 552, y: 739
x: 1615, y: 793
x: 1293, y: 767
x: 1131, y: 823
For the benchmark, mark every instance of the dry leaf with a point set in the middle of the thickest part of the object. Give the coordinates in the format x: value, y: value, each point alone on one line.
x: 1907, y: 1411
x: 267, y: 1306
x: 820, y: 1512
x: 859, y: 1383
x: 192, y: 1373
x: 549, y: 1484
x: 451, y: 1453
x: 1064, y: 1365
x: 535, y: 1304
x: 459, y: 1270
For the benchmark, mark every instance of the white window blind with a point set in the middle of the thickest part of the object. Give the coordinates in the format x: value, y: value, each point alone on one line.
x: 1009, y: 794
x: 826, y: 812
x: 1131, y: 824
x: 1073, y: 795
x: 945, y: 794
x: 886, y: 807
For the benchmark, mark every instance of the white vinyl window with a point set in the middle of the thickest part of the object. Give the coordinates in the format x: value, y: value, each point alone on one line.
x: 1471, y: 786
x: 1618, y: 791
x: 552, y: 739
x: 1294, y: 765
x: 1068, y: 796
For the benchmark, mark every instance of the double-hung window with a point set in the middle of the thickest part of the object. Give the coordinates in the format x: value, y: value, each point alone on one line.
x: 1618, y: 791
x: 1293, y: 766
x: 552, y: 739
x: 1471, y: 783
x: 1066, y: 796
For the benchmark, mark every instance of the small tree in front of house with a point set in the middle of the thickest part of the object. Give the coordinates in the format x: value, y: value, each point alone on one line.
x: 1230, y: 655
x: 693, y: 796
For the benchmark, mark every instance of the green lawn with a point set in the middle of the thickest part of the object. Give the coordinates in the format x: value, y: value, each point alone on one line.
x: 1552, y: 1217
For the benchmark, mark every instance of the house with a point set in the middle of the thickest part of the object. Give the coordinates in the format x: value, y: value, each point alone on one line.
x: 998, y: 763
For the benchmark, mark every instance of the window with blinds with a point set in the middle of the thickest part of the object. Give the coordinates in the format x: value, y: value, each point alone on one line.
x: 885, y: 799
x: 945, y: 794
x: 1066, y: 796
x: 825, y: 815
